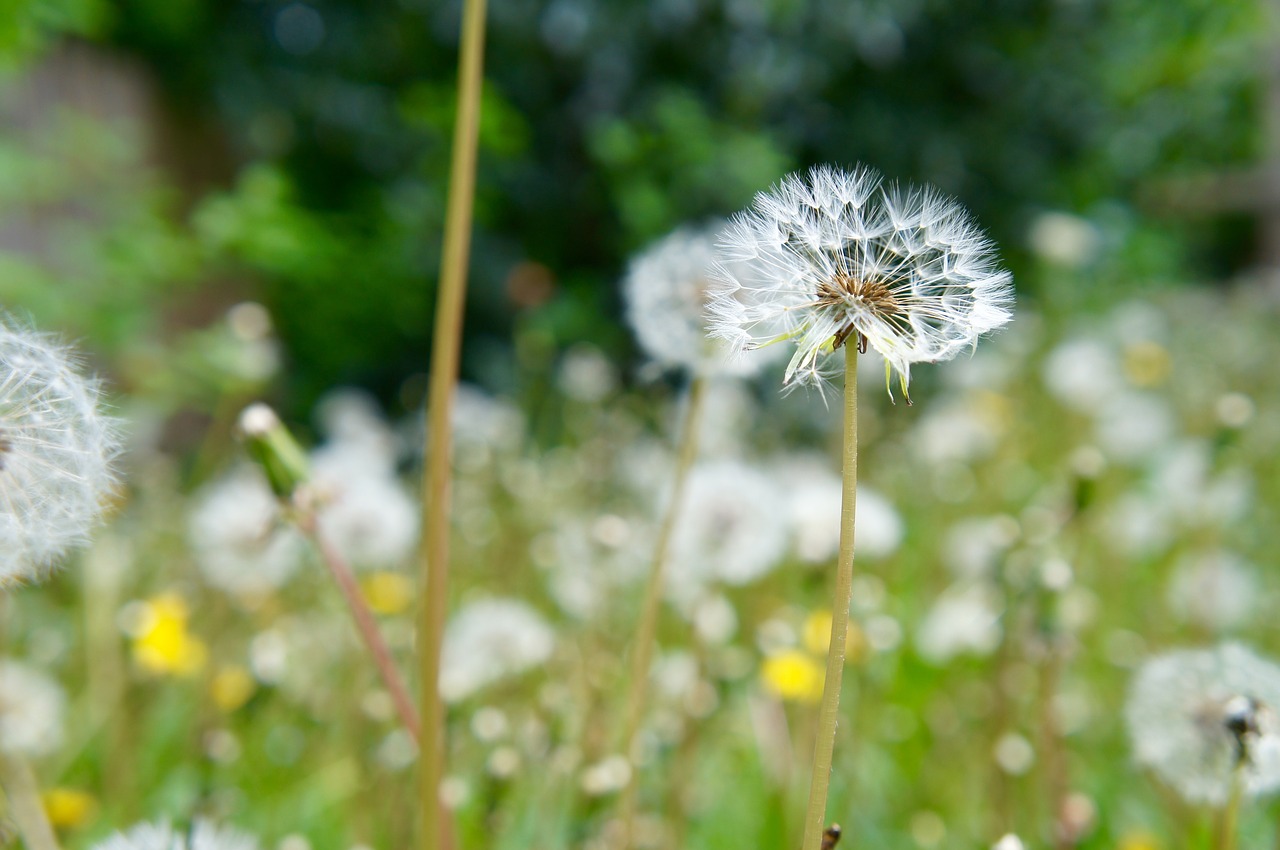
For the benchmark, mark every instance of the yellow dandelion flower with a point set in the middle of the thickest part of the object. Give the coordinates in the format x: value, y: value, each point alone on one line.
x: 793, y: 675
x: 232, y: 686
x: 1139, y: 840
x: 817, y: 637
x: 162, y: 645
x: 388, y: 593
x: 69, y: 808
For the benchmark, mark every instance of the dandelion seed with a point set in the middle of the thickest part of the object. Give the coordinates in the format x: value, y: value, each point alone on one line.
x: 833, y: 257
x: 56, y: 451
x: 203, y: 835
x: 1206, y: 719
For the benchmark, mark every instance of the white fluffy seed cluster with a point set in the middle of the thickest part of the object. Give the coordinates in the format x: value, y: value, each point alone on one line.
x: 668, y: 290
x: 32, y: 707
x: 203, y: 835
x: 1205, y: 719
x: 56, y: 453
x: 833, y: 256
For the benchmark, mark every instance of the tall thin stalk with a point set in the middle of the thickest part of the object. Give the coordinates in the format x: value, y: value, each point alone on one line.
x: 824, y: 746
x: 646, y: 629
x: 1224, y: 837
x: 25, y: 807
x: 446, y: 343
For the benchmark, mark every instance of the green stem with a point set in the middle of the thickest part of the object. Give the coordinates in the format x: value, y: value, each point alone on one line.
x: 25, y: 807
x: 824, y: 746
x: 446, y: 343
x: 646, y: 629
x: 1225, y: 836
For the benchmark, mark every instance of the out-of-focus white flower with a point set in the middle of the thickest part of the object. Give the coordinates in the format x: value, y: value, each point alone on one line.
x: 1083, y: 373
x: 31, y: 710
x: 203, y: 835
x: 667, y: 294
x: 586, y: 375
x: 56, y: 453
x: 958, y: 431
x: 365, y: 512
x: 479, y: 417
x: 832, y: 256
x: 238, y: 537
x: 1205, y: 719
x: 589, y: 562
x: 1064, y: 239
x: 814, y: 494
x: 1131, y: 426
x: 1184, y: 483
x: 974, y: 546
x: 965, y: 619
x: 353, y: 424
x: 1217, y: 590
x: 489, y: 640
x: 732, y: 527
x: 1138, y: 526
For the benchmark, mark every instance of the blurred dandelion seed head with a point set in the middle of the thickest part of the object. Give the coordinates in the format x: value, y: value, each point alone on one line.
x: 32, y: 706
x: 56, y: 453
x: 832, y: 256
x: 667, y: 289
x: 203, y: 835
x: 1198, y: 718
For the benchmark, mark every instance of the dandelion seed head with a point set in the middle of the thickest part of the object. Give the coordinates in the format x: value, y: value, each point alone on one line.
x: 733, y: 528
x: 1198, y: 718
x: 668, y: 289
x: 833, y: 257
x: 489, y: 640
x: 238, y: 536
x: 203, y: 835
x: 31, y: 710
x: 56, y: 453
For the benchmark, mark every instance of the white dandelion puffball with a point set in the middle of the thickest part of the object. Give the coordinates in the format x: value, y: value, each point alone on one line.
x: 31, y: 710
x: 365, y: 511
x: 239, y: 538
x: 202, y: 835
x: 1216, y: 589
x: 667, y: 290
x: 964, y: 619
x: 733, y: 527
x: 489, y: 640
x: 833, y: 256
x: 56, y: 451
x: 814, y: 494
x: 1198, y: 717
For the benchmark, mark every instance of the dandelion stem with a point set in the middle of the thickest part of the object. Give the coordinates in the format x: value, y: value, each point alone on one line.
x: 824, y: 746
x: 368, y: 628
x: 642, y: 648
x: 1228, y: 819
x: 28, y: 812
x: 446, y: 343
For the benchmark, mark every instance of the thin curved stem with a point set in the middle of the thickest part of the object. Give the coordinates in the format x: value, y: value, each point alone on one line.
x: 367, y: 626
x: 646, y: 629
x: 446, y: 344
x: 824, y: 746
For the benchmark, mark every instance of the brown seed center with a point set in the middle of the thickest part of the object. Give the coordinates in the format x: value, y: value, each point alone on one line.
x: 875, y: 294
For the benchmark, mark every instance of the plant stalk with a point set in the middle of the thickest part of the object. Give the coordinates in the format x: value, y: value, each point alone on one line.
x: 1229, y: 818
x: 368, y: 628
x: 824, y: 746
x: 446, y: 344
x: 646, y: 629
x: 25, y: 807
